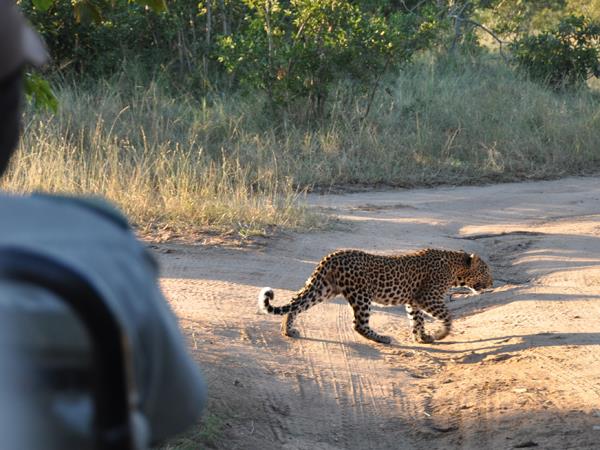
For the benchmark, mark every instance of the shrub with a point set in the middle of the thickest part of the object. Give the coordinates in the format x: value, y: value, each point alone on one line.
x: 564, y: 57
x: 299, y: 48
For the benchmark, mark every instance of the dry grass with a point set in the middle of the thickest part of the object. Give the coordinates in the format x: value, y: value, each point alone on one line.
x: 148, y: 153
x: 229, y: 163
x: 453, y: 123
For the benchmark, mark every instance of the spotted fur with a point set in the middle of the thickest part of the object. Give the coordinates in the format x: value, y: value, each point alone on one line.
x: 417, y: 280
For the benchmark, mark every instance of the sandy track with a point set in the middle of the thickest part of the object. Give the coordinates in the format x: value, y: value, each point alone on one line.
x: 522, y: 366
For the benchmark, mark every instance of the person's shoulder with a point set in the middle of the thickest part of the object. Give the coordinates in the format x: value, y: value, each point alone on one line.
x: 92, y: 203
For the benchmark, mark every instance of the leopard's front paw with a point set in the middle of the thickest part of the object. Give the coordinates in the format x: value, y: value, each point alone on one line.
x: 423, y: 338
x: 441, y: 334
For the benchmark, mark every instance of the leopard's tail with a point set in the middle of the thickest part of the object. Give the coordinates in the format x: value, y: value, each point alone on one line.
x: 264, y: 303
x: 266, y: 295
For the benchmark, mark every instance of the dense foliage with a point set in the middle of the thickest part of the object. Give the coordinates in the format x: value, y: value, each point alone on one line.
x: 286, y: 48
x: 298, y: 48
x: 564, y: 56
x: 294, y: 49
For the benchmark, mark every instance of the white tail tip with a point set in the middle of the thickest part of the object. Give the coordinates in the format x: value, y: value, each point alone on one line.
x: 264, y: 296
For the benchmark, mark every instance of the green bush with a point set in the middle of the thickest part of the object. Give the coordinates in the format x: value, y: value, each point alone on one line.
x: 95, y: 40
x: 300, y: 48
x: 287, y: 48
x: 564, y: 57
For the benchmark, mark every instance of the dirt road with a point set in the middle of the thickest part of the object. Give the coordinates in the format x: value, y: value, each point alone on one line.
x: 520, y: 369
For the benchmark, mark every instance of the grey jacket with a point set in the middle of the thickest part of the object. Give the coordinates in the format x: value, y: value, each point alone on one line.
x: 92, y: 239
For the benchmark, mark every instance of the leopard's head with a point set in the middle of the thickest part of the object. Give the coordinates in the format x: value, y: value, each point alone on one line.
x: 475, y: 274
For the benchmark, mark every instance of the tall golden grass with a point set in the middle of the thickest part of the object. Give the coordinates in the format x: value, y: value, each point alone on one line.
x: 148, y: 154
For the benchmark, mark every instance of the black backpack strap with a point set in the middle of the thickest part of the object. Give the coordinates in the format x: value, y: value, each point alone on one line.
x: 112, y: 377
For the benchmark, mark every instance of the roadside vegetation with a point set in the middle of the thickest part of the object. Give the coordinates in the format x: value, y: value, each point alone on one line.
x: 205, y: 128
x: 172, y: 165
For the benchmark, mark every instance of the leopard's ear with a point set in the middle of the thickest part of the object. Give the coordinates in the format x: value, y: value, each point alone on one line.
x: 475, y: 259
x: 470, y: 258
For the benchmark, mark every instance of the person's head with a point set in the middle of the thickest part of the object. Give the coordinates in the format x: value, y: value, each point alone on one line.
x: 19, y: 45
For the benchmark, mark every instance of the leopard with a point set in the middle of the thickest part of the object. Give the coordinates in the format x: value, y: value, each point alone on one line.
x: 418, y: 280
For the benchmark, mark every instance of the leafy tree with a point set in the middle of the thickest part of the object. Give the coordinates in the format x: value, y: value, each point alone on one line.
x: 297, y: 48
x: 93, y: 35
x: 57, y: 21
x: 564, y: 56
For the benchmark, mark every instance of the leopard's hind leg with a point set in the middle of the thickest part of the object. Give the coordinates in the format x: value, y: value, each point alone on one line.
x: 305, y: 299
x: 361, y: 304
